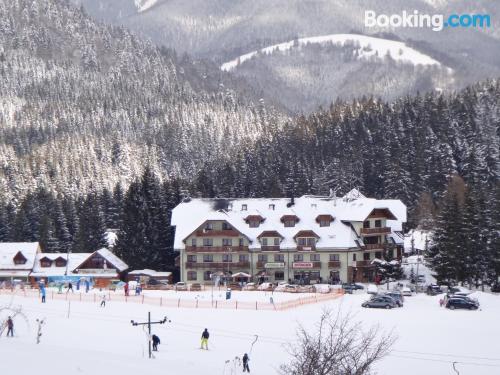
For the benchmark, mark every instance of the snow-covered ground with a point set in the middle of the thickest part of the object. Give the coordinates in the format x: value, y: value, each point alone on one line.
x: 96, y: 340
x: 368, y: 47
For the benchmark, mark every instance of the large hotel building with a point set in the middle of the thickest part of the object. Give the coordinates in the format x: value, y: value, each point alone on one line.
x: 307, y: 239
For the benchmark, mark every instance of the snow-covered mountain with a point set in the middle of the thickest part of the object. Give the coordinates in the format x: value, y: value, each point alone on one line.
x: 223, y: 30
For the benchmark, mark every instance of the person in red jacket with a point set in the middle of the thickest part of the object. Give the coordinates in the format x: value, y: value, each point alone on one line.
x: 125, y: 288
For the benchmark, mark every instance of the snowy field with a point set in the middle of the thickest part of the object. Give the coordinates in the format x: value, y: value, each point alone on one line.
x: 96, y: 340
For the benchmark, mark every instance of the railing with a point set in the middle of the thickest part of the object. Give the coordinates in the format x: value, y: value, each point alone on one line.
x: 374, y: 246
x: 177, y: 302
x: 215, y: 249
x: 217, y: 265
x: 334, y: 264
x: 270, y: 248
x: 381, y: 230
x: 305, y: 265
x: 306, y: 247
x: 217, y: 233
x: 364, y: 263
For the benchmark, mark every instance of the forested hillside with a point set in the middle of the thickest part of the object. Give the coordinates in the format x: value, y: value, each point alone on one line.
x: 84, y: 106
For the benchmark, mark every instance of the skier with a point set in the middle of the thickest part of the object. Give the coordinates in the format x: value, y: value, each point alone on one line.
x: 10, y: 327
x: 70, y: 287
x: 204, y: 339
x: 103, y: 300
x: 156, y: 342
x: 42, y: 292
x: 125, y: 289
x: 245, y: 363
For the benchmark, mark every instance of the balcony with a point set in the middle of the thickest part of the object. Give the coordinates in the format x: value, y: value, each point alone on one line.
x: 375, y: 231
x: 215, y: 249
x: 306, y: 247
x: 334, y: 264
x: 270, y: 248
x: 217, y: 265
x: 217, y: 233
x: 374, y: 246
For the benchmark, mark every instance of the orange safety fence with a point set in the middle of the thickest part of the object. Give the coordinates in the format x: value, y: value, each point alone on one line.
x: 178, y: 302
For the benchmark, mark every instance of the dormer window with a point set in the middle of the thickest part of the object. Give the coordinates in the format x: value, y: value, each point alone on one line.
x: 324, y: 220
x: 19, y: 258
x: 209, y: 226
x: 289, y: 220
x: 226, y: 226
x: 45, y: 262
x: 60, y: 262
x: 254, y: 220
x: 271, y: 207
x: 244, y: 207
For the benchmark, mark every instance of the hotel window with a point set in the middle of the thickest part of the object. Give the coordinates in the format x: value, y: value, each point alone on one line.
x: 301, y: 241
x: 366, y: 224
x: 254, y: 223
x: 311, y: 241
x: 366, y: 256
x: 353, y: 257
x: 226, y: 226
x: 227, y: 258
x: 378, y: 255
x: 378, y: 223
x: 45, y: 262
x: 241, y: 242
x: 324, y: 223
x: 298, y: 257
x: 192, y: 258
x: 262, y: 258
x: 276, y: 241
x: 207, y: 258
x: 289, y: 223
x: 279, y: 275
x: 207, y: 275
x: 208, y: 242
x: 334, y: 257
x: 244, y: 207
x: 209, y: 226
x: 193, y: 242
x: 243, y: 258
x: 191, y: 275
x: 264, y: 242
x: 227, y: 242
x: 314, y: 257
x: 279, y: 258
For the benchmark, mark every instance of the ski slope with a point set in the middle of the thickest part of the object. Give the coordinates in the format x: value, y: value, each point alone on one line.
x: 94, y: 340
x: 368, y: 47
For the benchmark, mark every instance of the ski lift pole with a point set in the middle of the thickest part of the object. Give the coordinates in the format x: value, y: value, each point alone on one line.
x: 148, y: 323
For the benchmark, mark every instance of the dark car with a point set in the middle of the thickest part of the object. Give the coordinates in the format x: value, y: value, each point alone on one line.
x: 462, y: 303
x: 495, y: 288
x: 384, y: 302
x: 352, y: 286
x: 434, y: 290
x: 396, y: 296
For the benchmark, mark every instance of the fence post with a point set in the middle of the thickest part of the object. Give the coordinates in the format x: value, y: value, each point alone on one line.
x: 236, y: 305
x: 255, y: 305
x: 142, y: 299
x: 216, y: 304
x: 161, y: 301
x: 179, y: 303
x: 196, y: 303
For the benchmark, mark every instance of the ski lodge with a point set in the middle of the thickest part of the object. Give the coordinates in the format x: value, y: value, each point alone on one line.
x: 305, y: 240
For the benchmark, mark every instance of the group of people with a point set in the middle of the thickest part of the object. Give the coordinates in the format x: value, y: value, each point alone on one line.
x: 204, y: 345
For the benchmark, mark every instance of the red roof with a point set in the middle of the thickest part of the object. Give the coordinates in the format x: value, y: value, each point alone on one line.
x: 306, y: 233
x: 324, y: 217
x: 289, y: 217
x: 269, y: 233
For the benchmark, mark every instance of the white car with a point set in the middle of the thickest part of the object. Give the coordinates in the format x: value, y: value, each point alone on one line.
x: 372, y: 289
x: 406, y: 292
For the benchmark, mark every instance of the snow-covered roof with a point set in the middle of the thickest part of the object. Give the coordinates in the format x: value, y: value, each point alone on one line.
x: 8, y: 250
x: 151, y: 273
x: 190, y: 215
x: 74, y: 260
x: 113, y: 259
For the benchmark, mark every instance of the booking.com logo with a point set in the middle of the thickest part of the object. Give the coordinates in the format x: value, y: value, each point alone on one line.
x: 436, y: 22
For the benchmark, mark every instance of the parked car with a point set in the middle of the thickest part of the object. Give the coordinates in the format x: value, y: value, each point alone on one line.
x: 433, y: 290
x: 372, y: 289
x: 250, y: 286
x: 383, y: 302
x: 462, y: 303
x: 291, y: 288
x: 181, y: 286
x: 348, y: 288
x: 195, y: 287
x: 265, y: 286
x: 281, y: 287
x: 396, y: 296
x: 495, y: 288
x: 406, y: 291
x: 455, y: 290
